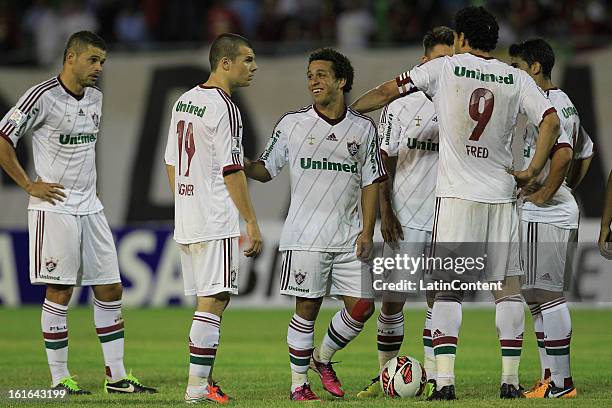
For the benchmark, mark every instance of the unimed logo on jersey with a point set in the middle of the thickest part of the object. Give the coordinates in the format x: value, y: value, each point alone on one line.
x: 189, y: 108
x: 309, y: 163
x: 414, y: 143
x: 80, y: 138
x: 476, y: 74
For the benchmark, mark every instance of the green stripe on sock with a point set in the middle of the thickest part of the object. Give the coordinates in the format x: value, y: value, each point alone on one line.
x: 54, y: 345
x: 205, y: 361
x: 299, y: 361
x: 427, y: 342
x: 511, y: 352
x: 445, y: 350
x: 558, y: 352
x: 541, y: 344
x: 389, y: 347
x: 336, y: 340
x: 105, y: 338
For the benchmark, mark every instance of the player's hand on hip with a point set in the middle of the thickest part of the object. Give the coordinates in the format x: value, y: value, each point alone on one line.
x: 605, y: 244
x: 254, y: 239
x: 364, y: 247
x: 523, y: 177
x: 391, y: 229
x: 50, y: 192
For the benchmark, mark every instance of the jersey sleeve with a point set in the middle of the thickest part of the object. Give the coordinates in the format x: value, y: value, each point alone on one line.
x: 22, y: 118
x: 389, y: 131
x: 372, y: 169
x: 567, y: 137
x: 227, y: 141
x: 533, y: 102
x: 276, y: 153
x: 424, y: 77
x: 583, y: 147
x: 171, y: 144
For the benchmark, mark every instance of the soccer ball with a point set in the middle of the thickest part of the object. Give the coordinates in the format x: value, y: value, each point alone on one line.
x: 403, y: 377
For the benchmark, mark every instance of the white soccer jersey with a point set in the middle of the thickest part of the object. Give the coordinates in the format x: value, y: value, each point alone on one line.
x: 330, y: 161
x: 409, y: 131
x: 64, y: 129
x: 477, y: 101
x: 583, y: 145
x: 204, y: 143
x: 562, y: 210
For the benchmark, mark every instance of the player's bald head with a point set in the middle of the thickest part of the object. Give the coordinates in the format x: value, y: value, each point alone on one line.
x: 226, y: 45
x: 79, y: 41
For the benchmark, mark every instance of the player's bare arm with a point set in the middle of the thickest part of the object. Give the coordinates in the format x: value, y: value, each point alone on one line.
x: 605, y: 237
x: 577, y: 171
x: 376, y: 98
x: 390, y: 227
x: 236, y: 184
x: 547, y: 136
x: 559, y: 165
x: 369, y: 200
x: 170, y: 171
x: 49, y: 192
x: 256, y: 170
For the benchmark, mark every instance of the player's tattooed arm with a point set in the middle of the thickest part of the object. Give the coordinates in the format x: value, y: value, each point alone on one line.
x: 50, y: 192
x: 390, y: 227
x: 548, y: 134
x: 559, y: 165
x: 378, y: 97
x: 256, y: 170
x: 605, y: 236
x: 369, y: 201
x: 170, y: 171
x: 236, y: 184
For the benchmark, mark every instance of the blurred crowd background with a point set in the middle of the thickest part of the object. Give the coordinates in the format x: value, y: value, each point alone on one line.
x: 33, y: 32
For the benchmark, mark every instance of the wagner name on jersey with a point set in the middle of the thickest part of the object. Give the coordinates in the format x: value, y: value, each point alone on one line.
x: 477, y: 100
x: 562, y: 209
x: 204, y: 143
x: 64, y: 129
x: 329, y: 162
x: 408, y: 130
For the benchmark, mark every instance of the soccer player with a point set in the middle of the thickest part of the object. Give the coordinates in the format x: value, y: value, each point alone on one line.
x: 409, y: 132
x: 477, y: 99
x: 70, y: 241
x: 549, y: 227
x: 204, y: 161
x: 605, y: 237
x: 333, y: 155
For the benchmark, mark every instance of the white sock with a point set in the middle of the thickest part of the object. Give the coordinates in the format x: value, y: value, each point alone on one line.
x: 390, y: 336
x: 429, y: 363
x: 300, y: 338
x: 109, y: 327
x: 342, y: 329
x: 203, y: 343
x: 54, y: 324
x: 510, y: 324
x: 446, y: 322
x: 538, y: 328
x: 558, y: 336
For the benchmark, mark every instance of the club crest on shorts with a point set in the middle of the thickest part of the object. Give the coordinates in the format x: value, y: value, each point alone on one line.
x: 300, y: 276
x: 51, y: 264
x: 96, y: 119
x: 353, y: 147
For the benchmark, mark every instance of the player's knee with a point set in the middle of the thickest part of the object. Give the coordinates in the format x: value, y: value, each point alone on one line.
x: 59, y: 294
x: 451, y: 296
x: 362, y: 310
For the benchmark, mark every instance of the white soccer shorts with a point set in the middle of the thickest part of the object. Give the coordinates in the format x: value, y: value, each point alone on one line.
x: 210, y: 267
x: 493, y: 229
x: 312, y: 274
x: 548, y: 255
x: 76, y: 250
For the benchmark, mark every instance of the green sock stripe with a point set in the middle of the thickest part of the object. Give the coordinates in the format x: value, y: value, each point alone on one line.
x: 427, y: 342
x: 105, y: 338
x: 55, y: 345
x: 335, y: 339
x: 511, y: 352
x: 302, y: 362
x: 541, y: 344
x: 558, y: 352
x: 205, y: 361
x: 389, y: 347
x: 445, y: 350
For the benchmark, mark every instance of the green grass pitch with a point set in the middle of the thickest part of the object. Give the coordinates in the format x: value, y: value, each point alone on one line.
x: 252, y: 362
